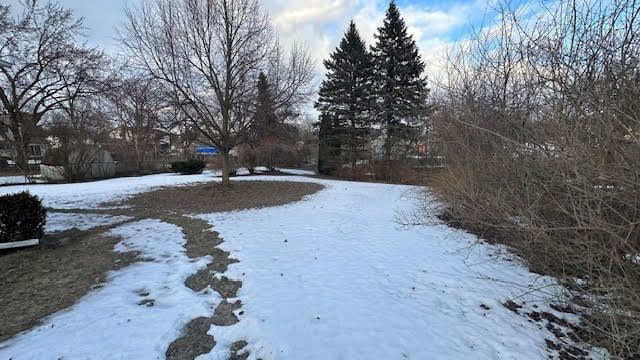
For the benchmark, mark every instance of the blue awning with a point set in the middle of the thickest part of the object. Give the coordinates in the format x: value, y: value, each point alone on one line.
x: 210, y: 150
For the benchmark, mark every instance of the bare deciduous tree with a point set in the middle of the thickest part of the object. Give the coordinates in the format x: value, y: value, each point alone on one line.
x: 41, y: 60
x: 290, y: 77
x: 138, y: 101
x: 209, y: 53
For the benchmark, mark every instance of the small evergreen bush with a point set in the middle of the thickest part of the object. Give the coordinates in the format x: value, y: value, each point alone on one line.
x: 188, y: 167
x: 22, y: 217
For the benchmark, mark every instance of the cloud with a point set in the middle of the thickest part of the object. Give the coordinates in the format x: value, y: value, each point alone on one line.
x: 296, y: 13
x: 321, y: 23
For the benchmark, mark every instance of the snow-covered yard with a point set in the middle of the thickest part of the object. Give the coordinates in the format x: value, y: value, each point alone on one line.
x: 20, y: 179
x: 117, y: 321
x: 91, y: 194
x: 13, y: 180
x: 334, y: 276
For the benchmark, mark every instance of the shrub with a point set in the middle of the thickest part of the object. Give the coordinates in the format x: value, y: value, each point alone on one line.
x: 74, y: 159
x: 22, y: 217
x: 54, y: 157
x: 193, y: 166
x: 247, y: 157
x: 276, y: 155
x: 556, y: 177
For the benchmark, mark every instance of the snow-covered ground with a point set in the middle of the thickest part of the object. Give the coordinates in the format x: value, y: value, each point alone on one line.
x: 91, y: 194
x: 8, y: 180
x: 140, y: 310
x: 287, y: 171
x: 13, y: 180
x: 334, y: 276
x: 298, y: 172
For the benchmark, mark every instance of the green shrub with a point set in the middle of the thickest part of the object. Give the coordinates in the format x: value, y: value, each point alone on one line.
x: 188, y: 167
x: 22, y: 217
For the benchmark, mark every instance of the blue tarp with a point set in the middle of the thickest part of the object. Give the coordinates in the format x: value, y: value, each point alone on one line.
x: 210, y: 150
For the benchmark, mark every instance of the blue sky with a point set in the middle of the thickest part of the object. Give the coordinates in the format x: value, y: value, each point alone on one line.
x: 319, y: 24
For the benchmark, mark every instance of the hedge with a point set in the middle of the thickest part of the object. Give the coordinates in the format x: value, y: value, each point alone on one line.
x: 22, y: 217
x: 188, y: 167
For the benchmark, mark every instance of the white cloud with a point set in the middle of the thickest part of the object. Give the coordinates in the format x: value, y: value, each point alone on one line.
x: 320, y: 25
x: 311, y: 11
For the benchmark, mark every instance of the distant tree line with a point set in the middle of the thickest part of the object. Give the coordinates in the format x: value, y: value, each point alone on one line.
x: 372, y: 101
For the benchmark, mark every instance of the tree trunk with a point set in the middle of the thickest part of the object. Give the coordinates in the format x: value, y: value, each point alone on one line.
x: 226, y: 168
x: 21, y: 159
x: 139, y: 156
x: 354, y: 149
x: 20, y: 142
x: 387, y: 149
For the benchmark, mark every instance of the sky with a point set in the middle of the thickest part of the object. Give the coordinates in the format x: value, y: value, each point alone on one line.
x: 436, y: 25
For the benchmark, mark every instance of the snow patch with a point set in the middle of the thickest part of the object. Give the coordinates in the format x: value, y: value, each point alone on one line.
x: 64, y: 221
x: 298, y: 172
x: 10, y: 180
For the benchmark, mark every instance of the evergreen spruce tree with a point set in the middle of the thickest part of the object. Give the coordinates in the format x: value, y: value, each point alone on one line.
x: 269, y: 137
x: 265, y: 121
x: 401, y: 90
x: 331, y: 135
x: 345, y: 101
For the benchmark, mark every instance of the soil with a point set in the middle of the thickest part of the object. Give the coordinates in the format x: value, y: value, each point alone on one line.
x: 213, y: 197
x: 558, y: 326
x: 41, y: 280
x: 38, y: 281
x: 193, y: 342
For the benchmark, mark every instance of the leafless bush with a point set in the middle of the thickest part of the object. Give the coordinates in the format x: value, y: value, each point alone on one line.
x: 540, y: 127
x: 74, y: 160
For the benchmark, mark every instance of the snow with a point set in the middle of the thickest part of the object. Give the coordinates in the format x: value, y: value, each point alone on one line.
x: 88, y: 195
x: 9, y: 180
x: 13, y: 180
x: 287, y: 171
x: 110, y: 322
x: 335, y: 276
x: 298, y: 172
x: 64, y: 221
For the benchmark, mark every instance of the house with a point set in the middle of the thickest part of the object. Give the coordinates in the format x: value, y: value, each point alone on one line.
x: 8, y: 154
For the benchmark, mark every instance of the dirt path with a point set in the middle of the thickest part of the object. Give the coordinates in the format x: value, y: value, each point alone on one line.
x: 71, y: 263
x: 202, y: 241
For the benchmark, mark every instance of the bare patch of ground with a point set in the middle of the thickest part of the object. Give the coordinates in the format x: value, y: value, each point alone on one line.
x: 193, y: 342
x: 213, y: 197
x: 39, y: 281
x: 223, y: 315
x: 235, y: 351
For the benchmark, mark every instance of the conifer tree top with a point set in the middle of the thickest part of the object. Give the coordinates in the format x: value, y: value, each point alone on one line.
x: 349, y: 69
x: 394, y: 46
x: 351, y: 46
